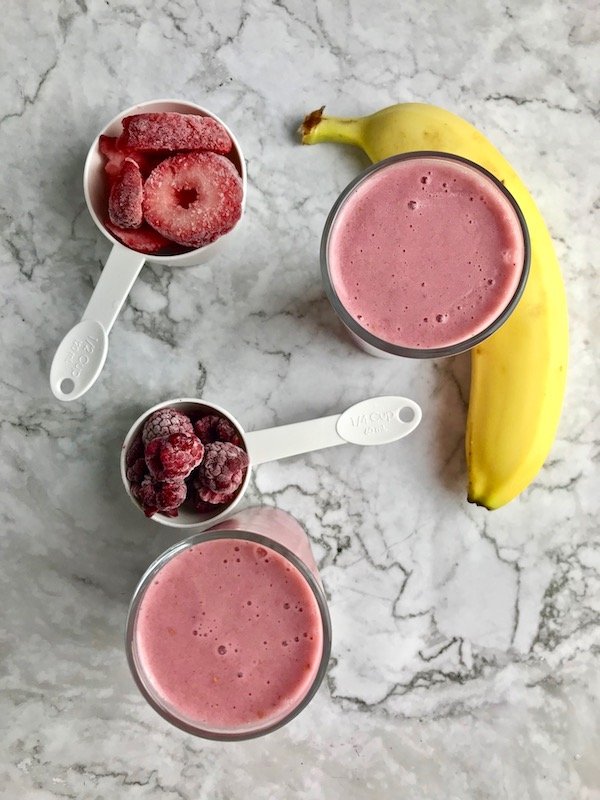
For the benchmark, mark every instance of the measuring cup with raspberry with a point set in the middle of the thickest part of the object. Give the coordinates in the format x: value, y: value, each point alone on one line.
x: 186, y: 462
x: 165, y: 182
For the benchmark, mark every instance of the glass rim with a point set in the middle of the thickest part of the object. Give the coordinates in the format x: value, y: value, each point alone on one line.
x: 154, y: 701
x: 415, y: 352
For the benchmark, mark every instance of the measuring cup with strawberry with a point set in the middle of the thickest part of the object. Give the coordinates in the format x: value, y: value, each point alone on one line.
x: 165, y: 182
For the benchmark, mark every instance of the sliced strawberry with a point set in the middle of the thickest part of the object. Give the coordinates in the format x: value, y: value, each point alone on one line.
x: 125, y: 199
x: 115, y: 155
x: 193, y: 198
x: 144, y: 239
x: 172, y: 131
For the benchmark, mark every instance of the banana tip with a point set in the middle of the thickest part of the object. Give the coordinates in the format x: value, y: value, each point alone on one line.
x: 479, y: 503
x: 309, y: 123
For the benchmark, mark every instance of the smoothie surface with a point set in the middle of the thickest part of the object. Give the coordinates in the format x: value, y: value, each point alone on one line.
x: 229, y: 634
x: 426, y: 253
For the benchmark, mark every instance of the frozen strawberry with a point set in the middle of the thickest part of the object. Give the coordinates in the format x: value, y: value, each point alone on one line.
x: 165, y: 422
x: 193, y: 198
x: 172, y: 131
x: 125, y: 199
x: 163, y: 496
x: 216, y: 429
x: 173, y: 457
x: 222, y: 469
x: 145, y: 239
x: 115, y: 155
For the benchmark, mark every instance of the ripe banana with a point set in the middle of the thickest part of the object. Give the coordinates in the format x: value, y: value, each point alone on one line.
x: 518, y: 374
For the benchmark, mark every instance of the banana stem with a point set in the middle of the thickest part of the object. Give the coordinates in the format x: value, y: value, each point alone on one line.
x: 316, y: 127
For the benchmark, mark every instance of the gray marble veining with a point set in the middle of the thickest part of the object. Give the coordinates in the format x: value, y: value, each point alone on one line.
x: 465, y: 654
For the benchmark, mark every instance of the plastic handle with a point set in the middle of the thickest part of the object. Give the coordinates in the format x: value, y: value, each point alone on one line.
x: 81, y: 355
x: 116, y: 279
x: 380, y: 420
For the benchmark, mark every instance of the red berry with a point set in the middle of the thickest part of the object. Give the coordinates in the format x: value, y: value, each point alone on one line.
x: 125, y: 199
x: 164, y: 422
x: 137, y: 471
x: 206, y: 500
x: 136, y: 450
x: 222, y: 470
x: 172, y: 131
x: 193, y: 198
x: 204, y: 508
x: 165, y: 496
x: 173, y: 457
x: 115, y: 155
x: 135, y: 463
x: 216, y: 429
x: 144, y: 239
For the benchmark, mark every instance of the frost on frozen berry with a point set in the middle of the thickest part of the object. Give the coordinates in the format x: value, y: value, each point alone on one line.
x: 205, y: 499
x: 193, y: 198
x: 144, y: 239
x: 135, y: 451
x: 173, y: 457
x: 222, y: 470
x: 162, y: 496
x: 125, y: 199
x: 171, y: 131
x: 216, y: 429
x: 164, y: 422
x: 201, y: 506
x: 135, y: 463
x: 136, y: 472
x: 115, y: 155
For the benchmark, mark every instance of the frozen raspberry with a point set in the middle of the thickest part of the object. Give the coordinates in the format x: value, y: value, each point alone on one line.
x: 137, y: 471
x: 216, y: 429
x: 144, y: 239
x: 165, y: 496
x: 206, y: 499
x: 136, y: 450
x: 193, y: 198
x: 164, y: 422
x: 115, y: 155
x: 172, y: 131
x: 125, y: 199
x: 222, y: 470
x: 173, y: 457
x: 135, y: 462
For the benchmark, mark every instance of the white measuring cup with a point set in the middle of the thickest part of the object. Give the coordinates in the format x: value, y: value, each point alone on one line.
x: 379, y: 420
x: 80, y: 356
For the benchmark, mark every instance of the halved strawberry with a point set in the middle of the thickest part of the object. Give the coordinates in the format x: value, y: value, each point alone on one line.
x: 125, y: 199
x: 144, y: 239
x: 193, y: 198
x: 172, y: 131
x: 115, y: 155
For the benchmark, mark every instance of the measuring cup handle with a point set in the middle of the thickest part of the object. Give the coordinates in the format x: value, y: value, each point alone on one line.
x: 80, y: 356
x: 292, y: 440
x: 116, y: 279
x: 379, y: 420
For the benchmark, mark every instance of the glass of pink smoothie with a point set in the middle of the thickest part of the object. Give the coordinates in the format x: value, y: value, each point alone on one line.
x: 424, y: 255
x: 228, y: 634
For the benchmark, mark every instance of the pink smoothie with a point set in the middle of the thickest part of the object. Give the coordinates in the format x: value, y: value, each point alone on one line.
x: 229, y: 635
x: 426, y: 253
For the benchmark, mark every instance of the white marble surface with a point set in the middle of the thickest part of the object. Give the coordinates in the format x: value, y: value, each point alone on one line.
x: 465, y: 654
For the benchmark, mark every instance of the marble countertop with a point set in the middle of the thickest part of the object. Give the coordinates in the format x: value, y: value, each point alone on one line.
x: 466, y: 643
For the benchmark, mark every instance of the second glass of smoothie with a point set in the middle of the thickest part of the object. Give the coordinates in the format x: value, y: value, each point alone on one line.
x: 228, y: 634
x: 424, y: 255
